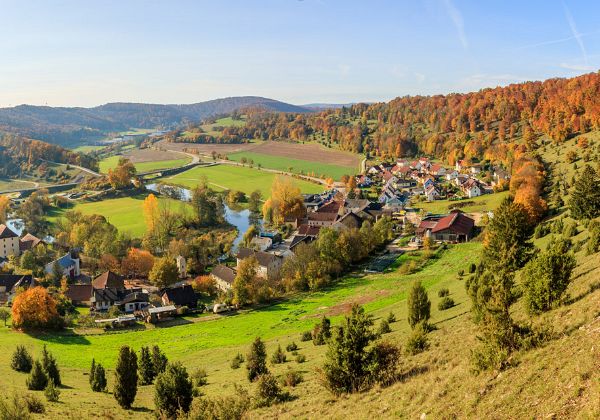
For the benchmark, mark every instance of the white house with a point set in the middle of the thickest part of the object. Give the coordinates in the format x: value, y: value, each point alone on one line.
x: 69, y: 263
x: 269, y: 264
x: 9, y: 242
x: 223, y: 276
x: 451, y: 175
x: 471, y: 189
x: 431, y: 193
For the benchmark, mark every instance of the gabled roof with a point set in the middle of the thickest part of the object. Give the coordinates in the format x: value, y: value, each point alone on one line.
x: 308, y: 230
x: 108, y: 280
x: 298, y: 239
x: 470, y: 183
x: 29, y: 242
x: 322, y: 217
x: 79, y: 292
x: 181, y: 296
x: 350, y: 220
x: 331, y: 207
x: 264, y: 258
x: 6, y: 233
x: 456, y: 222
x: 65, y: 261
x: 135, y: 297
x: 224, y: 273
x: 13, y: 281
x: 106, y: 295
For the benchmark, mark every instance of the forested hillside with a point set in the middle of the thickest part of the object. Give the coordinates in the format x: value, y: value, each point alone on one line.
x: 69, y: 125
x: 490, y: 124
x: 18, y: 155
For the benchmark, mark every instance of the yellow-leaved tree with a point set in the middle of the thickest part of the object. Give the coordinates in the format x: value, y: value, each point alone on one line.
x: 151, y: 212
x: 286, y: 201
x: 4, y: 203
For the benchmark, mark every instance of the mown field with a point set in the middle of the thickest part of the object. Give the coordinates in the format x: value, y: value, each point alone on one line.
x: 232, y: 177
x: 125, y: 213
x: 211, y: 344
x: 88, y: 148
x: 146, y: 160
x: 299, y: 166
x: 482, y: 203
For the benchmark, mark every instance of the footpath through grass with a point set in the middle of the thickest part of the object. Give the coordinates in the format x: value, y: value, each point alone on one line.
x: 231, y: 177
x: 299, y: 166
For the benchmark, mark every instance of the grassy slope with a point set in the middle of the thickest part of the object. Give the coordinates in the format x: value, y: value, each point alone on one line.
x: 481, y: 203
x: 213, y: 343
x: 232, y: 177
x: 125, y: 213
x: 112, y: 161
x: 298, y: 165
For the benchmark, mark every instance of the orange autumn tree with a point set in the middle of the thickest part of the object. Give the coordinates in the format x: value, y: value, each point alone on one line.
x: 35, y: 308
x: 4, y: 203
x: 137, y: 263
x: 286, y: 201
x: 526, y: 184
x: 151, y: 212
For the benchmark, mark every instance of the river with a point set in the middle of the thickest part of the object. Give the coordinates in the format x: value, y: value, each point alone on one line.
x: 241, y: 219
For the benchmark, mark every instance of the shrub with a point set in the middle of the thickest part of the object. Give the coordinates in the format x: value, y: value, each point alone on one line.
x: 279, y: 356
x: 386, y: 358
x: 443, y: 292
x: 292, y: 378
x: 35, y: 308
x: 384, y: 327
x: 126, y: 377
x: 51, y: 392
x: 14, y: 408
x: 391, y: 318
x: 461, y: 273
x: 321, y: 332
x: 256, y: 360
x: 306, y: 336
x: 199, y: 377
x: 446, y: 303
x: 292, y: 346
x: 33, y: 404
x: 417, y: 342
x: 237, y: 361
x: 472, y: 268
x: 21, y: 360
x: 98, y: 381
x: 221, y: 408
x: 300, y: 358
x: 146, y: 367
x: 268, y: 391
x: 159, y: 360
x: 419, y: 306
x: 50, y: 367
x: 37, y: 379
x: 570, y: 230
x: 173, y: 391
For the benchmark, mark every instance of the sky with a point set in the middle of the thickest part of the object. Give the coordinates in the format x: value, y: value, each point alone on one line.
x: 86, y: 53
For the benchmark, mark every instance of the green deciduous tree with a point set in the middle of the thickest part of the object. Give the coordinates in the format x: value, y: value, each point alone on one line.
x: 164, y: 272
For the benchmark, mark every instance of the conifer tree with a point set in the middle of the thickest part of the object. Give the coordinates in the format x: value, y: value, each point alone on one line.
x: 92, y: 372
x: 37, y: 379
x: 98, y: 382
x: 173, y: 392
x: 159, y: 360
x: 146, y: 367
x: 126, y: 377
x: 256, y: 360
x: 50, y: 367
x: 585, y: 198
x: 21, y: 360
x: 419, y: 305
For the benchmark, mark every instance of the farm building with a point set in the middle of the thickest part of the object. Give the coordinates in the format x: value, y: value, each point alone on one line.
x: 455, y: 227
x: 223, y: 276
x: 9, y: 242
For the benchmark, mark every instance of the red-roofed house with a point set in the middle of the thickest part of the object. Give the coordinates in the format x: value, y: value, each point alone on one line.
x: 455, y: 227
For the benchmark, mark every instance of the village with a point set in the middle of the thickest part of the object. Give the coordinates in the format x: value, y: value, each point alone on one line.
x: 117, y: 301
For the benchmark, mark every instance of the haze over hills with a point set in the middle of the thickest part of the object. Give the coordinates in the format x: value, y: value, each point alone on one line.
x: 65, y: 125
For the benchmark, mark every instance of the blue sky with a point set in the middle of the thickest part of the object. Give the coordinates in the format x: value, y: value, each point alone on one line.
x: 85, y: 53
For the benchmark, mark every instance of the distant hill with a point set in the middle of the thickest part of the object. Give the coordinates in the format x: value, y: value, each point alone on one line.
x: 70, y: 125
x: 318, y: 106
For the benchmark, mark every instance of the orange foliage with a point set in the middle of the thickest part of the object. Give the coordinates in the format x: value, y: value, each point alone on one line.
x: 526, y: 184
x: 137, y: 263
x: 205, y: 284
x: 35, y: 308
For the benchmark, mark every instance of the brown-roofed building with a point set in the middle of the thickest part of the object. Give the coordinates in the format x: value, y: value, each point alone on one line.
x: 28, y: 242
x: 455, y: 227
x: 268, y: 264
x: 109, y: 280
x: 183, y: 295
x: 11, y: 283
x: 9, y: 242
x: 223, y: 276
x: 80, y: 294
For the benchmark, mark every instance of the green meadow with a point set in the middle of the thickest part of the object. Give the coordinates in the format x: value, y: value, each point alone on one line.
x: 482, y: 203
x: 231, y: 177
x: 299, y: 166
x: 112, y: 162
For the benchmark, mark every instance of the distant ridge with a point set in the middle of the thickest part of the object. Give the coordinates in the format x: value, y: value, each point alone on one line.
x: 327, y: 106
x: 70, y: 125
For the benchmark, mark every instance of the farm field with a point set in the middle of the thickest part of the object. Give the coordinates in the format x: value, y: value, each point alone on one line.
x: 231, y: 177
x: 300, y: 166
x: 482, y: 203
x: 87, y: 148
x: 15, y: 184
x: 124, y: 213
x: 146, y: 160
x: 194, y: 342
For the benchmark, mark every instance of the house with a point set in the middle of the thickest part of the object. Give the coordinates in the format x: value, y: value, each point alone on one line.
x: 500, y: 176
x: 80, y: 294
x: 133, y: 302
x: 68, y: 263
x: 455, y: 227
x: 181, y: 266
x: 109, y: 280
x: 157, y: 314
x: 348, y: 221
x: 471, y: 188
x: 104, y: 299
x: 29, y: 242
x: 223, y: 276
x: 11, y: 283
x: 437, y: 170
x: 428, y: 182
x: 9, y: 242
x: 431, y: 193
x: 183, y: 295
x: 451, y: 175
x: 460, y: 165
x: 261, y: 243
x: 268, y: 264
x: 475, y: 169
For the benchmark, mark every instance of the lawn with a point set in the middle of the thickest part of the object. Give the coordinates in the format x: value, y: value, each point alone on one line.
x: 299, y: 166
x: 124, y: 213
x: 112, y: 161
x: 87, y: 149
x: 230, y: 177
x: 485, y: 202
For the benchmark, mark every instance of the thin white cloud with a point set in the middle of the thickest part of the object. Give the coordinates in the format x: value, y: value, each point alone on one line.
x: 576, y: 67
x: 576, y: 34
x: 458, y: 22
x: 420, y: 77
